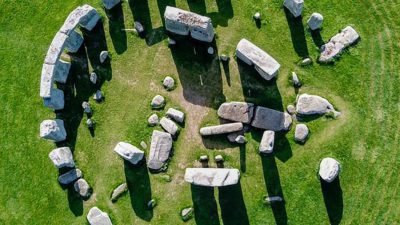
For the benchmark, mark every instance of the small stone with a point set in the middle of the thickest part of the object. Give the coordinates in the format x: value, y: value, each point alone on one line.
x: 267, y: 142
x: 139, y: 28
x: 143, y: 144
x: 187, y: 214
x: 171, y: 42
x: 153, y: 120
x: 240, y: 139
x: 232, y: 136
x: 306, y: 62
x: 103, y: 56
x: 129, y: 152
x: 86, y: 108
x: 219, y: 158
x: 98, y: 217
x: 203, y: 158
x: 98, y: 96
x: 314, y: 105
x: 296, y: 80
x: 224, y: 58
x: 315, y: 21
x: 169, y: 83
x: 151, y: 204
x: 70, y: 176
x: 291, y: 109
x: 301, y: 133
x: 90, y: 123
x: 210, y: 50
x: 62, y: 157
x: 257, y: 16
x: 329, y: 169
x: 176, y: 115
x: 93, y: 78
x: 82, y: 188
x: 109, y: 4
x: 273, y: 199
x: 53, y: 130
x: 118, y: 192
x: 158, y: 102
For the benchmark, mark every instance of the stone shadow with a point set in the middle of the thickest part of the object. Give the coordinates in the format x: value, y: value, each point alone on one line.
x: 197, y: 6
x: 139, y: 187
x: 75, y: 203
x: 317, y: 38
x: 205, y: 206
x: 116, y: 25
x: 162, y: 5
x: 333, y: 199
x: 220, y: 18
x: 297, y: 34
x: 233, y: 208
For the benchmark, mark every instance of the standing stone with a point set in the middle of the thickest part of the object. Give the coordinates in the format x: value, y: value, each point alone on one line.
x: 221, y: 129
x: 224, y: 58
x: 169, y: 126
x: 329, y: 169
x: 139, y: 28
x: 236, y: 111
x: 88, y: 17
x: 151, y: 204
x: 98, y: 217
x: 313, y: 105
x: 109, y: 4
x: 232, y: 136
x: 315, y: 21
x: 56, y: 100
x: 296, y: 80
x: 98, y: 96
x: 153, y: 120
x: 73, y: 42
x: 171, y: 42
x: 158, y: 102
x: 240, y: 139
x: 210, y: 50
x: 53, y: 130
x: 301, y: 133
x: 129, y: 152
x: 93, y: 78
x: 203, y: 158
x: 257, y: 16
x: 160, y: 148
x: 176, y: 115
x: 270, y: 119
x: 291, y: 109
x: 103, y: 56
x: 306, y: 62
x: 70, y: 176
x: 212, y: 177
x: 62, y: 157
x: 219, y: 158
x: 187, y: 214
x: 86, y: 108
x: 82, y: 188
x: 119, y: 191
x: 294, y: 6
x: 267, y: 142
x: 169, y: 83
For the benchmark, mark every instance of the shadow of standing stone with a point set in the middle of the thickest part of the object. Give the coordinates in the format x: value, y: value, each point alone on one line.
x: 233, y: 208
x: 205, y: 206
x: 333, y: 198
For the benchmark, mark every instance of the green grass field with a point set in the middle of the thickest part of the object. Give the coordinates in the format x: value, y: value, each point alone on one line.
x: 364, y: 85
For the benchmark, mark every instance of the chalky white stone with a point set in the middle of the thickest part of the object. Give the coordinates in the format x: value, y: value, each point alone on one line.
x: 129, y: 152
x: 62, y: 157
x: 236, y: 111
x: 169, y: 83
x: 169, y: 126
x: 158, y: 102
x: 257, y: 16
x: 160, y: 148
x: 329, y: 169
x: 221, y: 129
x: 153, y: 120
x: 176, y: 115
x: 53, y: 130
x: 294, y: 6
x: 70, y: 176
x: 267, y: 142
x: 296, y: 80
x: 313, y: 105
x: 212, y: 177
x: 98, y: 217
x: 301, y: 133
x: 315, y: 21
x: 270, y: 119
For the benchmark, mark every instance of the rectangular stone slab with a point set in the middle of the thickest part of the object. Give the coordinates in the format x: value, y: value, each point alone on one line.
x: 221, y: 129
x: 160, y: 148
x: 270, y: 119
x: 212, y: 177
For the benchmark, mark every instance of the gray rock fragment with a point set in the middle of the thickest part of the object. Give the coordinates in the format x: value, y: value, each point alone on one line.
x: 70, y: 176
x: 53, y: 130
x: 236, y: 111
x: 62, y: 157
x: 267, y: 142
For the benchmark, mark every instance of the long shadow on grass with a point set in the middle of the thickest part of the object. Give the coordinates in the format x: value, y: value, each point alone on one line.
x: 220, y: 18
x: 162, y: 5
x: 205, y: 206
x: 317, y: 38
x: 297, y: 34
x: 138, y: 181
x: 75, y: 203
x: 333, y: 198
x: 117, y: 31
x: 233, y: 208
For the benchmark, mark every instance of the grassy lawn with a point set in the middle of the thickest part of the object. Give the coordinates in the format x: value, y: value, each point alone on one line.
x: 364, y: 85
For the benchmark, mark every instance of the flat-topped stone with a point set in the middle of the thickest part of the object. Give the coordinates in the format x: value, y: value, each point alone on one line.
x: 267, y: 142
x: 265, y: 65
x: 98, y: 217
x: 119, y: 191
x: 329, y: 169
x: 53, y: 130
x: 53, y: 72
x: 62, y: 157
x: 270, y: 119
x: 313, y: 105
x: 129, y: 152
x: 56, y: 100
x: 212, y: 177
x: 160, y: 148
x: 221, y: 129
x: 73, y: 42
x: 56, y: 48
x: 89, y: 17
x: 294, y: 6
x: 70, y: 176
x: 109, y: 4
x: 176, y: 115
x: 236, y: 111
x: 82, y: 187
x: 315, y: 21
x: 301, y: 133
x: 169, y: 126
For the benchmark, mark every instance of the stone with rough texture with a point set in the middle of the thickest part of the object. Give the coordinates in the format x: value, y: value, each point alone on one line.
x: 236, y: 111
x: 212, y: 177
x: 210, y: 50
x: 119, y: 191
x: 98, y: 96
x: 73, y: 42
x: 270, y: 119
x: 203, y: 158
x: 93, y: 78
x: 264, y: 64
x: 176, y: 115
x: 82, y: 187
x: 56, y: 48
x: 139, y: 28
x: 219, y: 158
x: 338, y: 43
x: 160, y: 148
x: 306, y: 62
x: 103, y: 56
x: 240, y: 139
x: 296, y: 80
x: 56, y: 100
x: 232, y: 136
x: 62, y: 157
x: 143, y: 144
x: 291, y: 109
x: 301, y: 133
x: 169, y: 126
x: 109, y: 4
x: 187, y: 213
x: 70, y: 176
x: 221, y: 129
x: 267, y: 142
x: 158, y: 102
x: 89, y: 17
x: 129, y: 152
x: 90, y: 123
x: 98, y: 217
x: 272, y: 199
x: 151, y: 204
x: 313, y: 105
x: 86, y: 107
x: 153, y: 120
x: 315, y: 21
x: 53, y: 130
x: 329, y: 169
x: 294, y: 6
x: 169, y: 83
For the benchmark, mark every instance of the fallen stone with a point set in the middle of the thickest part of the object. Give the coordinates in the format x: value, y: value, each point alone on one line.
x: 62, y: 157
x: 98, y: 217
x: 221, y: 129
x: 109, y: 4
x: 267, y: 142
x: 56, y: 100
x: 257, y: 16
x: 264, y: 64
x: 236, y: 111
x: 82, y: 188
x: 53, y: 130
x: 212, y: 177
x: 176, y: 115
x: 219, y: 158
x: 160, y: 148
x: 88, y: 17
x: 129, y: 152
x: 158, y: 102
x: 143, y: 144
x: 313, y: 105
x: 93, y: 78
x: 240, y: 139
x: 119, y: 191
x: 294, y: 6
x: 151, y: 204
x: 296, y: 80
x: 291, y: 109
x: 272, y: 199
x: 70, y: 176
x: 187, y: 214
x: 306, y: 62
x: 301, y: 133
x: 98, y: 96
x: 153, y: 120
x: 55, y: 49
x: 73, y: 42
x: 329, y: 169
x: 169, y: 126
x: 103, y: 56
x: 315, y: 21
x: 169, y: 83
x: 270, y: 119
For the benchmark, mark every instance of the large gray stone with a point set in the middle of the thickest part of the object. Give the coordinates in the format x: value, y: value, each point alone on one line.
x: 315, y: 21
x: 119, y: 191
x: 73, y: 42
x: 71, y: 22
x: 158, y: 102
x: 236, y: 111
x: 53, y: 130
x: 169, y: 83
x: 313, y: 105
x: 129, y: 152
x: 176, y: 115
x: 109, y: 4
x: 329, y: 169
x: 221, y: 129
x: 267, y: 142
x: 294, y: 6
x: 270, y: 119
x: 62, y: 157
x: 169, y: 126
x: 56, y: 100
x: 152, y: 120
x: 301, y: 133
x: 70, y: 176
x: 160, y: 148
x: 82, y: 187
x: 212, y: 177
x: 88, y: 17
x: 56, y: 48
x: 98, y: 217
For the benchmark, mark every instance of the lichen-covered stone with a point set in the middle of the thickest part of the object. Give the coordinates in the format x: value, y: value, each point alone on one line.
x: 62, y: 157
x: 212, y: 177
x: 129, y: 152
x: 53, y: 130
x: 160, y: 148
x: 221, y: 129
x: 236, y: 111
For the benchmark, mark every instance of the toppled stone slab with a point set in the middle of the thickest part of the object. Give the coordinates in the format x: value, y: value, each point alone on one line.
x: 169, y: 83
x: 158, y: 102
x: 88, y: 17
x: 176, y: 115
x: 82, y: 187
x: 291, y: 109
x: 53, y: 130
x: 109, y: 4
x: 169, y: 126
x: 187, y: 214
x: 119, y: 191
x: 62, y: 157
x: 182, y: 22
x: 294, y: 6
x: 236, y: 111
x: 70, y: 176
x: 273, y: 199
x: 270, y: 119
x: 315, y: 21
x: 301, y: 133
x: 265, y: 65
x: 329, y: 169
x: 212, y: 177
x: 221, y: 129
x: 267, y: 142
x: 98, y: 217
x: 160, y: 148
x: 153, y: 120
x: 337, y: 44
x: 313, y: 105
x: 73, y: 42
x: 56, y: 100
x: 129, y: 152
x: 240, y: 139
